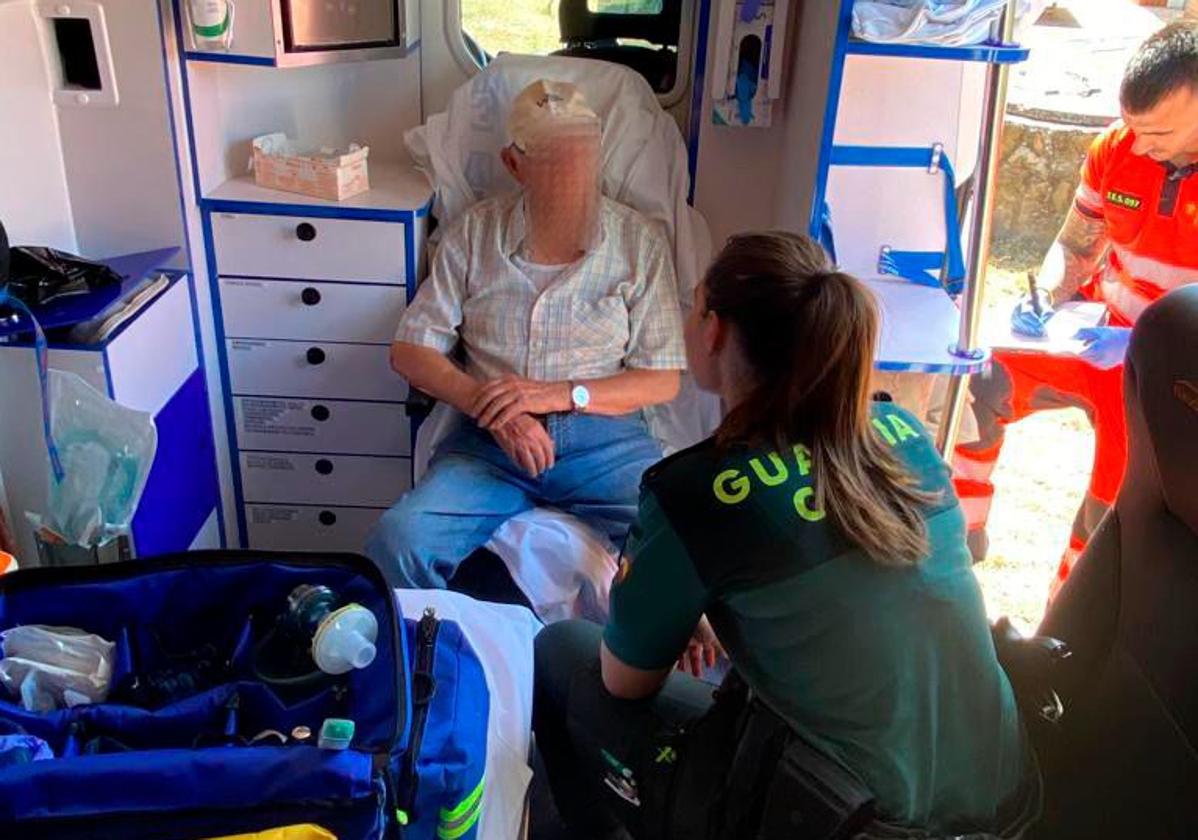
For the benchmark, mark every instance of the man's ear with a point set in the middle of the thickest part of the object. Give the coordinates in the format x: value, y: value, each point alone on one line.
x: 511, y: 162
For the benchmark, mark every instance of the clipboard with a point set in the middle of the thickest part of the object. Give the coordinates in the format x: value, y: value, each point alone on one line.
x: 1068, y: 318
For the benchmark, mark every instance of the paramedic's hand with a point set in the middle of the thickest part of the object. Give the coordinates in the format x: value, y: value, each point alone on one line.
x: 1105, y: 346
x: 702, y: 651
x: 1025, y: 321
x: 501, y: 400
x: 527, y: 443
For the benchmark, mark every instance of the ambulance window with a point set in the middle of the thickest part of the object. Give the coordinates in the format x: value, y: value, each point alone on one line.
x: 518, y: 26
x: 652, y: 37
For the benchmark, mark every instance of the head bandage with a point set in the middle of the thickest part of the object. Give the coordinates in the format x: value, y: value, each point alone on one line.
x: 547, y: 107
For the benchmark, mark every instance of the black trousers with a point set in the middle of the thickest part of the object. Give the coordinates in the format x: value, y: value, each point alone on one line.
x: 609, y: 760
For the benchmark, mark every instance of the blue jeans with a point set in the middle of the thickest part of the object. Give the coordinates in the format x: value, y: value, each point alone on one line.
x: 472, y: 488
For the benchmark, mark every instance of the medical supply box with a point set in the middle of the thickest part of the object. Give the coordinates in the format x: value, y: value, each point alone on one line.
x: 210, y: 721
x: 331, y: 174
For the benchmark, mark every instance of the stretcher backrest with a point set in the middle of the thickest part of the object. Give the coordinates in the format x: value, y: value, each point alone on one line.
x: 1127, y: 760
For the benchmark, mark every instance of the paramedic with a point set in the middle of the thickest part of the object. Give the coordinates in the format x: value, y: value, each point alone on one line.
x: 550, y: 318
x: 819, y: 533
x: 1130, y: 236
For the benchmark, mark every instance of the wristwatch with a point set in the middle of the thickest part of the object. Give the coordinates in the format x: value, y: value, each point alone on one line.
x: 580, y: 396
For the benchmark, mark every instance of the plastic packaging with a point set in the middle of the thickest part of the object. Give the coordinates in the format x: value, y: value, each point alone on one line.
x: 106, y: 451
x: 55, y: 667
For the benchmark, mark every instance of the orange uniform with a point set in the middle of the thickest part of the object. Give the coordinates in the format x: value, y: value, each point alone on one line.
x: 1150, y: 213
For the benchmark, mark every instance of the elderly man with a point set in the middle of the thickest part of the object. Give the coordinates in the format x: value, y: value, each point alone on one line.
x: 562, y: 309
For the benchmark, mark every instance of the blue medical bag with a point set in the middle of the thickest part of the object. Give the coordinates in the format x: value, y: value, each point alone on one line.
x: 198, y: 739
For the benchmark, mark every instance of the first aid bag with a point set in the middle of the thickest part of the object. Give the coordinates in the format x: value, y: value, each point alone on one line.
x: 214, y: 705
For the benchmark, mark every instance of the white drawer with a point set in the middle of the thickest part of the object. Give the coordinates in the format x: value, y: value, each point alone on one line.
x: 313, y: 369
x: 293, y: 425
x: 310, y: 311
x: 312, y: 479
x: 302, y: 528
x: 320, y: 249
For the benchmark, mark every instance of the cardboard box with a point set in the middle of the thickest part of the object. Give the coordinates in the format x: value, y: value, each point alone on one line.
x: 329, y: 174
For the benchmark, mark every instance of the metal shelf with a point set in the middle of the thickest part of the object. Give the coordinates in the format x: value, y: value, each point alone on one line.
x: 985, y: 53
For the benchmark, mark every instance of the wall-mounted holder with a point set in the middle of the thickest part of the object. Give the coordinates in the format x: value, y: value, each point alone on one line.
x: 77, y: 37
x: 747, y: 71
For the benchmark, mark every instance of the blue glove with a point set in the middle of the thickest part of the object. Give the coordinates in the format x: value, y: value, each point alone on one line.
x: 1105, y: 346
x: 1025, y: 321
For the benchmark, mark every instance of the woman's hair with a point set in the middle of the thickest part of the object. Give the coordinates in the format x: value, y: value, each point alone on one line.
x: 808, y: 333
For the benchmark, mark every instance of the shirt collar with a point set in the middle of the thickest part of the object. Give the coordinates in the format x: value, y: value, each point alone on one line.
x: 512, y: 237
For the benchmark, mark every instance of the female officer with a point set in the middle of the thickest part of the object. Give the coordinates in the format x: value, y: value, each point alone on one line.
x: 819, y: 533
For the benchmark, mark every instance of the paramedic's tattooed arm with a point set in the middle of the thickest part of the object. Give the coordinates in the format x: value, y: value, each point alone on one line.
x: 1074, y: 255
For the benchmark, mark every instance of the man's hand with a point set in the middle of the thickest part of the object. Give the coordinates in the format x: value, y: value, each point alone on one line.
x: 702, y: 651
x: 527, y: 443
x: 500, y: 401
x: 1026, y: 320
x: 1105, y: 346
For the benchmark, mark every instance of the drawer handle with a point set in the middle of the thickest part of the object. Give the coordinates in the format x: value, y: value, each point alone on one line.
x: 315, y: 356
x: 320, y: 413
x: 324, y: 466
x: 310, y: 296
x: 305, y: 232
x: 327, y: 517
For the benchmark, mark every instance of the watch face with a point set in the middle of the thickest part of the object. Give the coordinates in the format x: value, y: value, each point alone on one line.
x: 581, y: 396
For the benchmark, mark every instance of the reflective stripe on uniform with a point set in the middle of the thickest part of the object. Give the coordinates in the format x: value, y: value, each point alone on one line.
x: 454, y: 823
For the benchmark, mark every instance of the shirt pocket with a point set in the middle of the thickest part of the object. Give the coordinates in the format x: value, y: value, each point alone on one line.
x: 599, y: 328
x: 1124, y: 223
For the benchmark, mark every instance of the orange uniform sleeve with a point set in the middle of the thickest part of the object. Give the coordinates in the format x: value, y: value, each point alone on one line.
x: 1088, y: 199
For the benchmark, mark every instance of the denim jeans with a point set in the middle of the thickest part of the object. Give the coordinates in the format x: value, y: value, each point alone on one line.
x: 472, y: 488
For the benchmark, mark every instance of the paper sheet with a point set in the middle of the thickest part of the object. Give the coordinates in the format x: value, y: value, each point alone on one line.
x: 1061, y: 327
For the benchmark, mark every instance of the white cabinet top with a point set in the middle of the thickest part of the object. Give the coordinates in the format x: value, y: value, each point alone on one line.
x: 400, y: 190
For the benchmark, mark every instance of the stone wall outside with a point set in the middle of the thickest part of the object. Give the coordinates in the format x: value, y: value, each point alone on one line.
x: 1038, y: 171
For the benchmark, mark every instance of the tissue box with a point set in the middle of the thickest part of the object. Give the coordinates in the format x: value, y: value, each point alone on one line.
x: 330, y: 174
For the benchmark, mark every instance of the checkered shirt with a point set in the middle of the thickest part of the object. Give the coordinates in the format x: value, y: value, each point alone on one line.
x: 614, y: 308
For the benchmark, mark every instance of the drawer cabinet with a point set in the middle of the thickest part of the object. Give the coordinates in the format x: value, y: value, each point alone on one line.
x: 313, y: 369
x: 311, y: 478
x: 310, y: 311
x: 310, y: 425
x: 310, y: 248
x: 309, y: 528
x: 309, y: 300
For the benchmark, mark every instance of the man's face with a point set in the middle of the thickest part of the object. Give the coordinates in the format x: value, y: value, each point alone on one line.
x: 1168, y: 132
x: 560, y: 166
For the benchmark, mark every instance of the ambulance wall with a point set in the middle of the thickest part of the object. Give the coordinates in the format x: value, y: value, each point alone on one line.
x: 34, y: 201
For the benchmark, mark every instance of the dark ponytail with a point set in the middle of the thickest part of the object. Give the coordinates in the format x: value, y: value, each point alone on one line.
x: 808, y: 332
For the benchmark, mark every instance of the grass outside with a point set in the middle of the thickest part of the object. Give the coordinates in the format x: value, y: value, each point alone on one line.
x: 1039, y: 483
x: 520, y: 26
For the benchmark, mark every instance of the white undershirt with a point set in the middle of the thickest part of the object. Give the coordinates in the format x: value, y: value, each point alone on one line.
x: 542, y: 276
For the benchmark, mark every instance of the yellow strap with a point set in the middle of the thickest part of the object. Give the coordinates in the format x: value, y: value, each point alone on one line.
x: 306, y: 831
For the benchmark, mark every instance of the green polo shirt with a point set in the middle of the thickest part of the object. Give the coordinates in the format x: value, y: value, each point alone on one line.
x: 891, y: 670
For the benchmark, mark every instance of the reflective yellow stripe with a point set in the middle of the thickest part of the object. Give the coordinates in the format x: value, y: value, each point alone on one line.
x: 468, y: 803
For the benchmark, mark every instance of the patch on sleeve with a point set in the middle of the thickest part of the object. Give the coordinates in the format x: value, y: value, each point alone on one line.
x: 1187, y: 392
x: 1122, y: 199
x: 625, y: 568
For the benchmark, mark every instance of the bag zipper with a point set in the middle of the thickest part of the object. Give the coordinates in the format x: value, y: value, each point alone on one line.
x: 424, y: 686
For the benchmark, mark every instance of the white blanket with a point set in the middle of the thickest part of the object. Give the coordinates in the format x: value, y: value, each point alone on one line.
x: 944, y: 22
x: 502, y: 637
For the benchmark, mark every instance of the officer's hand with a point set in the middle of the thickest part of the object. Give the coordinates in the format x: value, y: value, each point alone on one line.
x: 702, y: 651
x: 1024, y: 318
x: 527, y: 443
x: 1105, y: 346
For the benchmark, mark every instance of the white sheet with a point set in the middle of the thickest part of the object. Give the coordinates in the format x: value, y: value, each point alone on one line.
x: 502, y: 636
x: 561, y: 565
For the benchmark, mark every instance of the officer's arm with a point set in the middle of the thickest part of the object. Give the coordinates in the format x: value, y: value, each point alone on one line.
x: 1074, y: 255
x: 626, y: 682
x: 656, y: 602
